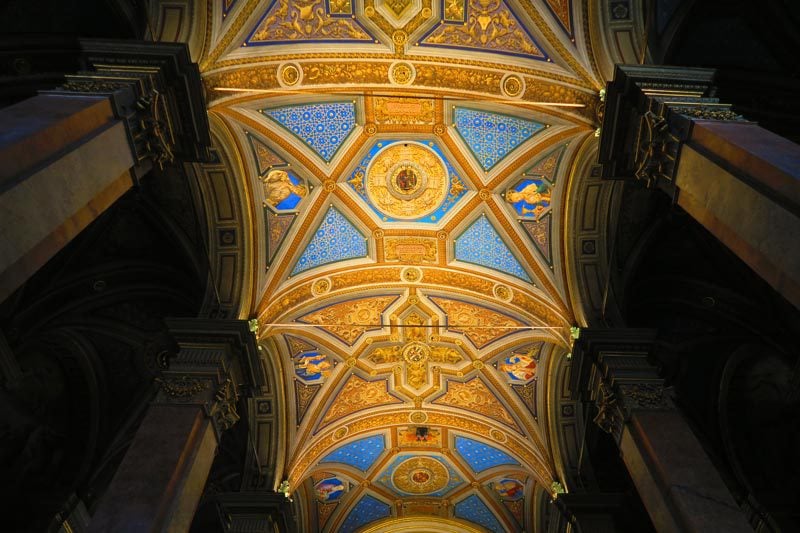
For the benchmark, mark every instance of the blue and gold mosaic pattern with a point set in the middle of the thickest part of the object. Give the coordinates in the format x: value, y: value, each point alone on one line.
x: 492, y: 136
x: 336, y: 239
x: 480, y: 244
x: 367, y: 510
x: 323, y: 127
x: 481, y: 456
x: 474, y: 510
x: 360, y: 454
x: 456, y: 191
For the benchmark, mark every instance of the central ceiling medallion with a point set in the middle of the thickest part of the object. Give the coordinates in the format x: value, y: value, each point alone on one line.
x: 407, y: 181
x: 420, y: 475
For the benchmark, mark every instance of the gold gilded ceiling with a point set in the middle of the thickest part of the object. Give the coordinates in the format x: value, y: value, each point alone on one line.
x: 406, y: 162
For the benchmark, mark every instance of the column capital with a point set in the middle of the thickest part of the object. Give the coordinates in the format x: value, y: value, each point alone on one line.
x: 649, y: 114
x: 155, y: 90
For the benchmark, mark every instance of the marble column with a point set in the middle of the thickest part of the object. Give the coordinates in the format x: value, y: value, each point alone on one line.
x: 676, y: 480
x: 68, y: 154
x: 664, y: 128
x: 160, y: 481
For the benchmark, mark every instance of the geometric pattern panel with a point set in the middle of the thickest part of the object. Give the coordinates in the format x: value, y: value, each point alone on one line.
x: 358, y: 394
x: 336, y: 239
x: 277, y: 228
x: 476, y: 397
x: 491, y: 136
x: 350, y: 319
x: 479, y: 324
x: 315, y: 20
x: 360, y: 454
x: 367, y: 510
x: 480, y: 244
x: 323, y: 127
x: 486, y: 26
x: 539, y: 233
x: 474, y: 510
x: 481, y: 456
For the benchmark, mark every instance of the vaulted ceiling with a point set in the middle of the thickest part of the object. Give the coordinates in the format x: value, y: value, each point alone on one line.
x: 407, y: 163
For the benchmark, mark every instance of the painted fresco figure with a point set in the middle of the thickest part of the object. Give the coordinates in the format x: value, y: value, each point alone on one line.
x: 533, y: 198
x: 519, y: 367
x: 313, y: 366
x: 278, y: 187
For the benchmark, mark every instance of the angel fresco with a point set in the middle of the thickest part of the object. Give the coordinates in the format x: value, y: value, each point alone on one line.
x: 329, y: 490
x: 509, y: 489
x: 282, y: 190
x: 312, y: 366
x: 519, y: 367
x: 530, y: 197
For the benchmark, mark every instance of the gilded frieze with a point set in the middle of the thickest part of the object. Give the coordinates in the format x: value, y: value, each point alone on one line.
x: 389, y: 110
x: 458, y: 77
x: 479, y: 324
x: 475, y: 396
x: 350, y: 319
x: 356, y: 395
x: 261, y: 78
x: 345, y: 72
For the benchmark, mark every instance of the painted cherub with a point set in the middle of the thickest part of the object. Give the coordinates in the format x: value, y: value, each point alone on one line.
x: 278, y: 187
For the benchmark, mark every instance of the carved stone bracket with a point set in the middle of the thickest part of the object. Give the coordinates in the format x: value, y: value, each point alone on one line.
x: 222, y: 410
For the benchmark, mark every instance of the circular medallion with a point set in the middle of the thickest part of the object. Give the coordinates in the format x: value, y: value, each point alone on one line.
x: 512, y: 85
x: 407, y: 181
x: 340, y: 433
x: 321, y: 286
x: 401, y: 73
x: 497, y: 435
x: 416, y: 353
x: 370, y: 129
x: 503, y: 292
x: 420, y: 475
x: 399, y: 37
x: 418, y: 417
x: 411, y: 275
x: 290, y: 74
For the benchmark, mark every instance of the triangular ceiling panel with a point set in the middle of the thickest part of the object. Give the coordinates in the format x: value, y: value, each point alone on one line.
x: 480, y: 456
x: 324, y: 511
x: 304, y: 395
x: 323, y: 127
x: 479, y: 324
x: 350, y: 319
x: 227, y: 5
x: 485, y: 26
x: 368, y: 509
x: 492, y: 136
x: 475, y: 396
x: 356, y: 395
x: 360, y: 454
x: 475, y: 510
x: 539, y: 232
x: 562, y: 10
x: 480, y: 244
x: 547, y: 166
x: 265, y: 158
x: 287, y: 21
x: 335, y: 239
x: 297, y: 345
x: 277, y: 227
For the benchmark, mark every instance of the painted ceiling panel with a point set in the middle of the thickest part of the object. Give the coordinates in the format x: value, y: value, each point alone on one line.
x: 360, y: 454
x: 473, y: 509
x: 480, y: 244
x: 323, y: 127
x: 492, y: 136
x: 481, y: 456
x: 307, y: 20
x: 401, y: 326
x: 407, y: 181
x: 335, y: 239
x: 368, y: 509
x: 488, y: 26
